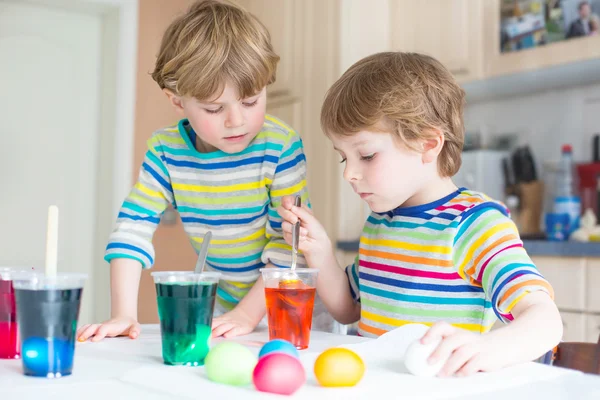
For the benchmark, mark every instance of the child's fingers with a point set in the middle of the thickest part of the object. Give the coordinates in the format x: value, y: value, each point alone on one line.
x: 437, y: 331
x: 101, y: 333
x: 221, y: 329
x: 287, y: 215
x: 135, y: 330
x: 306, y: 216
x: 82, y: 329
x: 287, y: 227
x: 236, y: 331
x: 287, y: 202
x: 87, y: 332
x: 472, y: 366
x: 447, y: 347
x: 457, y: 360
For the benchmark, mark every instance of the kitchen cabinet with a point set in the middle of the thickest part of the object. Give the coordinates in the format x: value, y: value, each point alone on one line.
x: 449, y: 30
x: 305, y: 34
x: 576, y: 283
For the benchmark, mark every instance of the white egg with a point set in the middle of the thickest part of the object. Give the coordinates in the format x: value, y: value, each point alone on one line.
x: 416, y: 357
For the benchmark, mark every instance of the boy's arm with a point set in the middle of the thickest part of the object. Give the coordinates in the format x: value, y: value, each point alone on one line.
x: 245, y: 316
x: 338, y: 290
x: 124, y: 285
x: 140, y: 213
x: 489, y: 253
x: 130, y: 245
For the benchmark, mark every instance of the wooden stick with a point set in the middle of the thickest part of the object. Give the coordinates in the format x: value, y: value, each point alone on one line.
x: 52, y: 241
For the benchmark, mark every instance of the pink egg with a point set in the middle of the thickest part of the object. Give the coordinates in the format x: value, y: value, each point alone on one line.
x: 278, y: 373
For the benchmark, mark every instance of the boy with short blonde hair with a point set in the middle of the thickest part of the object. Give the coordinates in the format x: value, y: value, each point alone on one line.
x: 430, y: 252
x: 224, y: 167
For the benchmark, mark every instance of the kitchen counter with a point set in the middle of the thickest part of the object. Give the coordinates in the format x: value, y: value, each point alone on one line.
x: 533, y: 247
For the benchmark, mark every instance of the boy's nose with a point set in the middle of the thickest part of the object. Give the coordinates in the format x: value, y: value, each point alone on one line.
x: 351, y: 174
x: 234, y: 118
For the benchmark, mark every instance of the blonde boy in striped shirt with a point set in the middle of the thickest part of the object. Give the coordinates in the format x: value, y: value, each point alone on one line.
x: 430, y: 252
x: 225, y: 167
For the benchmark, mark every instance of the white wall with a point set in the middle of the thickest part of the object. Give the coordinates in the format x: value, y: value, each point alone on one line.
x: 544, y: 120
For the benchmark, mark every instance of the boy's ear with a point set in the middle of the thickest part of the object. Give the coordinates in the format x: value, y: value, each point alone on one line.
x: 432, y: 146
x: 175, y: 101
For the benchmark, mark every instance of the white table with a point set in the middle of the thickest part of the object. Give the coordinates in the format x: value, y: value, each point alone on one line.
x: 132, y: 369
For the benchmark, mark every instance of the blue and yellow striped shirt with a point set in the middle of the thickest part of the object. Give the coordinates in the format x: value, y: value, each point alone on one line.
x: 233, y: 195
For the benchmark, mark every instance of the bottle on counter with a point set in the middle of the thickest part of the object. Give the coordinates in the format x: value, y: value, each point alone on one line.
x: 566, y: 196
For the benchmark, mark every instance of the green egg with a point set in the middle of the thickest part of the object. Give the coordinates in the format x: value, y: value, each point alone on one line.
x: 230, y: 363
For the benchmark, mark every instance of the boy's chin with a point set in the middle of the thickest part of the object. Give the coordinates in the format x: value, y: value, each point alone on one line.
x: 379, y: 207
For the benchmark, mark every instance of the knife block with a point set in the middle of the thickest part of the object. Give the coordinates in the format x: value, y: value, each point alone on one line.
x: 529, y: 218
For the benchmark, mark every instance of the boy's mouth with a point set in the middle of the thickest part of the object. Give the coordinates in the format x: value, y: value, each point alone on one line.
x: 364, y: 195
x: 236, y: 138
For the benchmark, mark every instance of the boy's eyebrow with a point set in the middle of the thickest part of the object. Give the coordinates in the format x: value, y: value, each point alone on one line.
x: 216, y: 103
x: 355, y: 144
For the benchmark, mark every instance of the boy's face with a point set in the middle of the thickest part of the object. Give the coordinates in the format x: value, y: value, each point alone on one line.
x: 227, y: 123
x: 382, y: 172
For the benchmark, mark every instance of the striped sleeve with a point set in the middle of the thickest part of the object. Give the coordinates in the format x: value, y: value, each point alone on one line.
x: 352, y: 274
x: 289, y: 179
x: 140, y: 213
x: 489, y: 253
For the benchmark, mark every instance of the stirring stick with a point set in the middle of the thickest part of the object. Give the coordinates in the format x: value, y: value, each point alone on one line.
x: 295, y: 236
x: 203, y: 253
x: 52, y: 241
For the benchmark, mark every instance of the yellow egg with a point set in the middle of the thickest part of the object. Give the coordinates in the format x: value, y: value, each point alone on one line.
x: 339, y: 367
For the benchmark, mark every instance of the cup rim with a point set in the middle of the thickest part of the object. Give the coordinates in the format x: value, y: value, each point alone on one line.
x: 289, y: 270
x: 9, y: 273
x: 40, y: 281
x: 213, y: 274
x: 185, y: 276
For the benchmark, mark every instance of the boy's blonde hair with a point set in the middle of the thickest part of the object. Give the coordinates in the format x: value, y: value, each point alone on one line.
x: 213, y: 43
x: 409, y: 94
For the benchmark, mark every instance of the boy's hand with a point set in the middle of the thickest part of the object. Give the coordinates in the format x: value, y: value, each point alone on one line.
x: 466, y: 352
x: 120, y: 326
x: 231, y: 324
x: 314, y: 242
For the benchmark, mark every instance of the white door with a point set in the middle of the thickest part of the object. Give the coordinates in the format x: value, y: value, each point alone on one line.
x: 49, y: 108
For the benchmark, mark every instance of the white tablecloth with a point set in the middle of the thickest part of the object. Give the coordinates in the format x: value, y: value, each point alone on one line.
x: 132, y: 369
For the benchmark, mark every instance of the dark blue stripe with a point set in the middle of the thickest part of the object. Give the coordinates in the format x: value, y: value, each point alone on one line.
x: 275, y: 224
x: 126, y: 246
x: 420, y: 286
x: 219, y: 222
x: 428, y: 215
x: 237, y: 269
x: 157, y: 176
x: 410, y: 211
x: 192, y: 136
x: 289, y: 164
x: 154, y: 220
x: 222, y: 165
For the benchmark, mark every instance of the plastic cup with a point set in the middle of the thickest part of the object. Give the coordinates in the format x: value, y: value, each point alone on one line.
x: 47, y: 314
x: 186, y: 302
x: 290, y: 299
x: 10, y: 343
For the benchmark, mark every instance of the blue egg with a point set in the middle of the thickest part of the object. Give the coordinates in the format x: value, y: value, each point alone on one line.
x: 47, y: 357
x: 278, y: 346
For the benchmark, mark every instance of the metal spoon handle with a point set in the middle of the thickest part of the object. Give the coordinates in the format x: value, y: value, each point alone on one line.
x: 203, y: 252
x: 296, y: 235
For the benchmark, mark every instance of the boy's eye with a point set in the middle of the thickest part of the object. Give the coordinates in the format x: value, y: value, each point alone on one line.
x: 216, y: 111
x: 368, y: 158
x: 250, y: 104
x: 343, y: 161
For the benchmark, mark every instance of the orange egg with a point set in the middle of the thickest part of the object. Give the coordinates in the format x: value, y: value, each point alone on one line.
x: 339, y: 367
